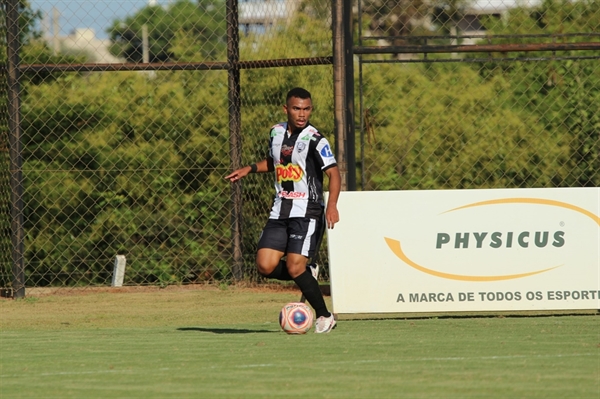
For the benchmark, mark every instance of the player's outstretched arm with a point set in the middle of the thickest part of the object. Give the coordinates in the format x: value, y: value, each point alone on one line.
x: 335, y: 183
x: 259, y: 167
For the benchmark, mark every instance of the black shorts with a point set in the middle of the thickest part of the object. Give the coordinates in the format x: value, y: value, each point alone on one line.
x: 294, y: 235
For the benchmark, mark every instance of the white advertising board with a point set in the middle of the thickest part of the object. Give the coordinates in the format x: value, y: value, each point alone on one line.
x: 466, y: 250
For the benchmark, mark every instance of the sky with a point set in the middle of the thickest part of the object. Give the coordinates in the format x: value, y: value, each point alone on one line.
x: 95, y: 14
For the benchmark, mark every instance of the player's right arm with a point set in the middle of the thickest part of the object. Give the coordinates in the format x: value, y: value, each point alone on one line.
x: 266, y: 165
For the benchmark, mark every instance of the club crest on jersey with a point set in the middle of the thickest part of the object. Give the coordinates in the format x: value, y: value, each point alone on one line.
x: 326, y: 151
x: 286, y: 150
x: 301, y: 146
x: 290, y: 172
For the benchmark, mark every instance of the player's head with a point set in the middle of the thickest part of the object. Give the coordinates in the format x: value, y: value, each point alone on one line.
x: 298, y: 106
x: 298, y: 92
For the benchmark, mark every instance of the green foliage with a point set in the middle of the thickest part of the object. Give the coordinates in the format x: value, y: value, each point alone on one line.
x: 563, y: 96
x: 32, y: 48
x: 582, y: 120
x: 142, y: 174
x: 184, y: 30
x: 394, y: 17
x: 435, y: 127
x: 133, y: 163
x: 28, y: 40
x: 37, y: 52
x: 138, y: 175
x: 551, y: 16
x: 27, y: 19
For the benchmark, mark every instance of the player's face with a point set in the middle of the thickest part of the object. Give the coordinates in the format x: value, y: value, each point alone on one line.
x: 298, y: 112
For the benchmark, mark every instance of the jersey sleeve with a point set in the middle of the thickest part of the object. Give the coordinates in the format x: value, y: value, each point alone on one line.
x: 275, y: 131
x: 324, y: 154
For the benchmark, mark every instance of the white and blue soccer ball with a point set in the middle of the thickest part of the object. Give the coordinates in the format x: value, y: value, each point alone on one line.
x: 296, y: 318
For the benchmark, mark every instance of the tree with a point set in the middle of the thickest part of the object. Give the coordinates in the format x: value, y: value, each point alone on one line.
x: 116, y: 163
x: 119, y: 164
x: 27, y: 32
x: 201, y: 25
x: 396, y: 17
x: 32, y: 49
x: 564, y: 95
x: 446, y: 15
x: 582, y: 119
x: 432, y: 127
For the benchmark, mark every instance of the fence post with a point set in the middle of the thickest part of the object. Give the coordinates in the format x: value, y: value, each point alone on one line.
x: 14, y: 143
x: 235, y: 139
x: 343, y: 86
x: 119, y: 271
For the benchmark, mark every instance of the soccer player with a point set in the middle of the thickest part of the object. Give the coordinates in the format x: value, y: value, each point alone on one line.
x: 299, y: 155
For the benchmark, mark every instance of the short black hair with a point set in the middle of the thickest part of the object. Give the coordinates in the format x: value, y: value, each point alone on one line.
x: 298, y: 92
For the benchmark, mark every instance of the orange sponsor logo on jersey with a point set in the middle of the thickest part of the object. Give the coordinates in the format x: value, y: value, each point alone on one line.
x: 289, y: 172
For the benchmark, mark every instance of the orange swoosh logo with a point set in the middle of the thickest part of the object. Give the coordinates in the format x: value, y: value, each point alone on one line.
x: 539, y: 201
x: 397, y: 250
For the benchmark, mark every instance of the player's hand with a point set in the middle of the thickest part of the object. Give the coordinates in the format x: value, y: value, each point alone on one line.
x: 238, y: 174
x: 331, y: 216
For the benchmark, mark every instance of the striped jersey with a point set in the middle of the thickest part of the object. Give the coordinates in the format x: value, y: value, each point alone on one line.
x: 299, y: 160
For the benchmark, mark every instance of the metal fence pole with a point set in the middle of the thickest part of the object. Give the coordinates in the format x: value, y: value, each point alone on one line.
x: 343, y: 86
x: 235, y: 139
x: 349, y: 98
x: 14, y: 123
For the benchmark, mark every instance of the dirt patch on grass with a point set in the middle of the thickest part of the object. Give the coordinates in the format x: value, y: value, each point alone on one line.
x: 240, y: 286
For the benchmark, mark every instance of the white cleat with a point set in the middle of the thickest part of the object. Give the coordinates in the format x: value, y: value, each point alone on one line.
x: 325, y: 324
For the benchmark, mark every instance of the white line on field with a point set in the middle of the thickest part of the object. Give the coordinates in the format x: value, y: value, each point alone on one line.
x: 504, y: 357
x: 431, y: 359
x: 258, y: 365
x: 80, y: 372
x: 243, y: 366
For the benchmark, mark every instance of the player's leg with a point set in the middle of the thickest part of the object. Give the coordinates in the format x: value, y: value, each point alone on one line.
x: 313, y: 266
x: 268, y: 263
x: 302, y: 245
x: 271, y: 248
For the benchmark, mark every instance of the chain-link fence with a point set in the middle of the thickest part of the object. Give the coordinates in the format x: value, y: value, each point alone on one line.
x: 127, y: 108
x: 126, y: 133
x: 496, y: 94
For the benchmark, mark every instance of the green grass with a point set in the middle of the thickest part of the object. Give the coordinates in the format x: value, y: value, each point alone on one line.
x: 226, y: 343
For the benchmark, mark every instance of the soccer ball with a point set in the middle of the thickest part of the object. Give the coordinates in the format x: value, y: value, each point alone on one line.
x: 296, y: 318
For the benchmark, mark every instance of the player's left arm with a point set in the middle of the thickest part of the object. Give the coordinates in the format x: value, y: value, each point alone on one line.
x: 332, y: 215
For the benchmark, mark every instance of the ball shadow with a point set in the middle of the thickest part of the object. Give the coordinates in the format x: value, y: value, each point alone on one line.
x: 225, y: 330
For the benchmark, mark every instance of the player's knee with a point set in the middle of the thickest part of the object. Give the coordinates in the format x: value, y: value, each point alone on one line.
x: 264, y: 269
x: 297, y: 268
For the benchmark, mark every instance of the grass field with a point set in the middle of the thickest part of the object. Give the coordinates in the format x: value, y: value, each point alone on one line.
x: 210, y: 342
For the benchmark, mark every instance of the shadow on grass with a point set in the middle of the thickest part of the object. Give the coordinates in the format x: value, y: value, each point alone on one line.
x: 225, y: 330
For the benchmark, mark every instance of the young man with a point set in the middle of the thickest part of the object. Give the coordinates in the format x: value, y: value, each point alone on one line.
x: 299, y: 155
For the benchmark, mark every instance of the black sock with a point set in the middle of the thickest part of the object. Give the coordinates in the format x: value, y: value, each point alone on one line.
x: 310, y: 288
x: 280, y: 272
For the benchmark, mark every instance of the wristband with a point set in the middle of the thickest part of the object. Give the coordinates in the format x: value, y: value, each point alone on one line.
x: 253, y: 168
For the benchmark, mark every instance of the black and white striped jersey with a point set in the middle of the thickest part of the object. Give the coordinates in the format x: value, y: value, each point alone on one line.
x: 299, y: 160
